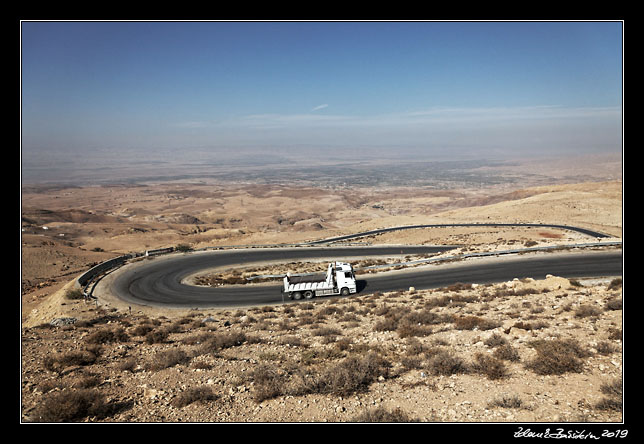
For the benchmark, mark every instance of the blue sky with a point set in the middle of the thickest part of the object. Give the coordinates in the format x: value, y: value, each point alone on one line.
x: 167, y: 85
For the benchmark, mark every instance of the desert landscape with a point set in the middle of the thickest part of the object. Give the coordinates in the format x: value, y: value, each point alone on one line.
x: 545, y: 350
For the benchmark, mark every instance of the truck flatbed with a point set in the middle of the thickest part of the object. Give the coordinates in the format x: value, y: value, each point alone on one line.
x: 318, y: 277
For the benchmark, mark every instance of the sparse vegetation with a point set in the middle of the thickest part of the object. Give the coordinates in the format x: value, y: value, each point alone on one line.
x: 508, y: 402
x: 74, y: 294
x: 555, y: 357
x: 71, y: 405
x: 495, y: 340
x: 613, y: 304
x: 489, y: 366
x: 108, y: 335
x: 334, y: 351
x: 381, y: 414
x: 59, y: 362
x: 507, y: 352
x: 168, y: 358
x: 613, y: 400
x: 351, y: 375
x: 615, y: 284
x: 219, y: 341
x: 584, y: 311
x: 194, y: 394
x: 88, y: 370
x: 444, y: 362
x: 474, y: 322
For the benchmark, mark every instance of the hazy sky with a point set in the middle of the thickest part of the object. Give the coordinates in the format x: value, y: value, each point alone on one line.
x: 526, y: 86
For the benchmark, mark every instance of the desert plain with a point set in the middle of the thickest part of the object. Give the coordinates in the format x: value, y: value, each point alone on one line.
x: 466, y: 353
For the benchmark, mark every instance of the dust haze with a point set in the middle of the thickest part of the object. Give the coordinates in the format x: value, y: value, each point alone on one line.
x: 317, y: 166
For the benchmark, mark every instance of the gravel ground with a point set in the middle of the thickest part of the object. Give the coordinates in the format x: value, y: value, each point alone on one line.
x: 459, y: 354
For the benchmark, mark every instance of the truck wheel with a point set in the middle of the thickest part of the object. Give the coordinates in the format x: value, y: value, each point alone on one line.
x: 345, y: 291
x: 297, y: 295
x: 309, y: 294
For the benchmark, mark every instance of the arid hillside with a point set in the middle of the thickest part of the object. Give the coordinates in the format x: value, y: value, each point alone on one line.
x: 521, y: 351
x: 67, y: 230
x: 467, y: 353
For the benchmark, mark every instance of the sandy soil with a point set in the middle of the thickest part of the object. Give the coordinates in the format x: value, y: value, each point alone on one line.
x: 227, y: 355
x: 87, y: 225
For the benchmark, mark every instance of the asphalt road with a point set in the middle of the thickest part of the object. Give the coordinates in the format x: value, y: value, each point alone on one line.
x: 158, y: 282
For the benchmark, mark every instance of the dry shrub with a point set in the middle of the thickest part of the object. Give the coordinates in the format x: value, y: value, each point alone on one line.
x: 315, y: 355
x: 128, y: 365
x: 507, y: 402
x: 351, y: 375
x: 329, y: 310
x: 613, y: 304
x: 74, y: 294
x: 613, y: 401
x: 106, y: 335
x: 585, y: 311
x: 86, y: 381
x: 414, y: 347
x: 387, y: 324
x: 142, y: 330
x: 201, y: 365
x: 57, y: 363
x: 268, y: 382
x: 495, y: 340
x: 459, y: 286
x: 615, y: 284
x: 167, y: 359
x: 343, y: 344
x: 194, y: 394
x: 196, y: 339
x: 606, y: 348
x: 291, y: 341
x: 557, y: 356
x: 472, y: 322
x: 158, y: 336
x: 507, y: 352
x: 529, y: 326
x: 445, y: 362
x: 408, y: 329
x: 508, y: 291
x: 489, y: 366
x: 72, y: 405
x: 408, y: 323
x: 221, y: 341
x: 445, y: 300
x: 411, y: 362
x: 615, y: 333
x: 425, y: 317
x: 326, y: 331
x: 381, y: 414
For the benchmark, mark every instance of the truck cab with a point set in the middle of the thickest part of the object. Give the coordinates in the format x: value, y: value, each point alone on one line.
x: 344, y: 277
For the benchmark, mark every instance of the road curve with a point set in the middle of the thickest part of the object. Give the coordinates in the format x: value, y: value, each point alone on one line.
x: 585, y: 231
x: 159, y: 282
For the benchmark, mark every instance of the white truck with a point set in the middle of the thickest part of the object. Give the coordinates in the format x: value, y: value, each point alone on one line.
x: 339, y: 279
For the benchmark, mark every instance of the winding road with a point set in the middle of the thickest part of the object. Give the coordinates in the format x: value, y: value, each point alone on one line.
x: 160, y: 282
x: 585, y: 231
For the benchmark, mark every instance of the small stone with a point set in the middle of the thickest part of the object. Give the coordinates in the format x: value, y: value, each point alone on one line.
x: 59, y: 322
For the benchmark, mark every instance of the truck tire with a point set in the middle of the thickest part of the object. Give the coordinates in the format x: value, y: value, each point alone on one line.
x: 345, y: 291
x: 308, y: 294
x: 297, y: 295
